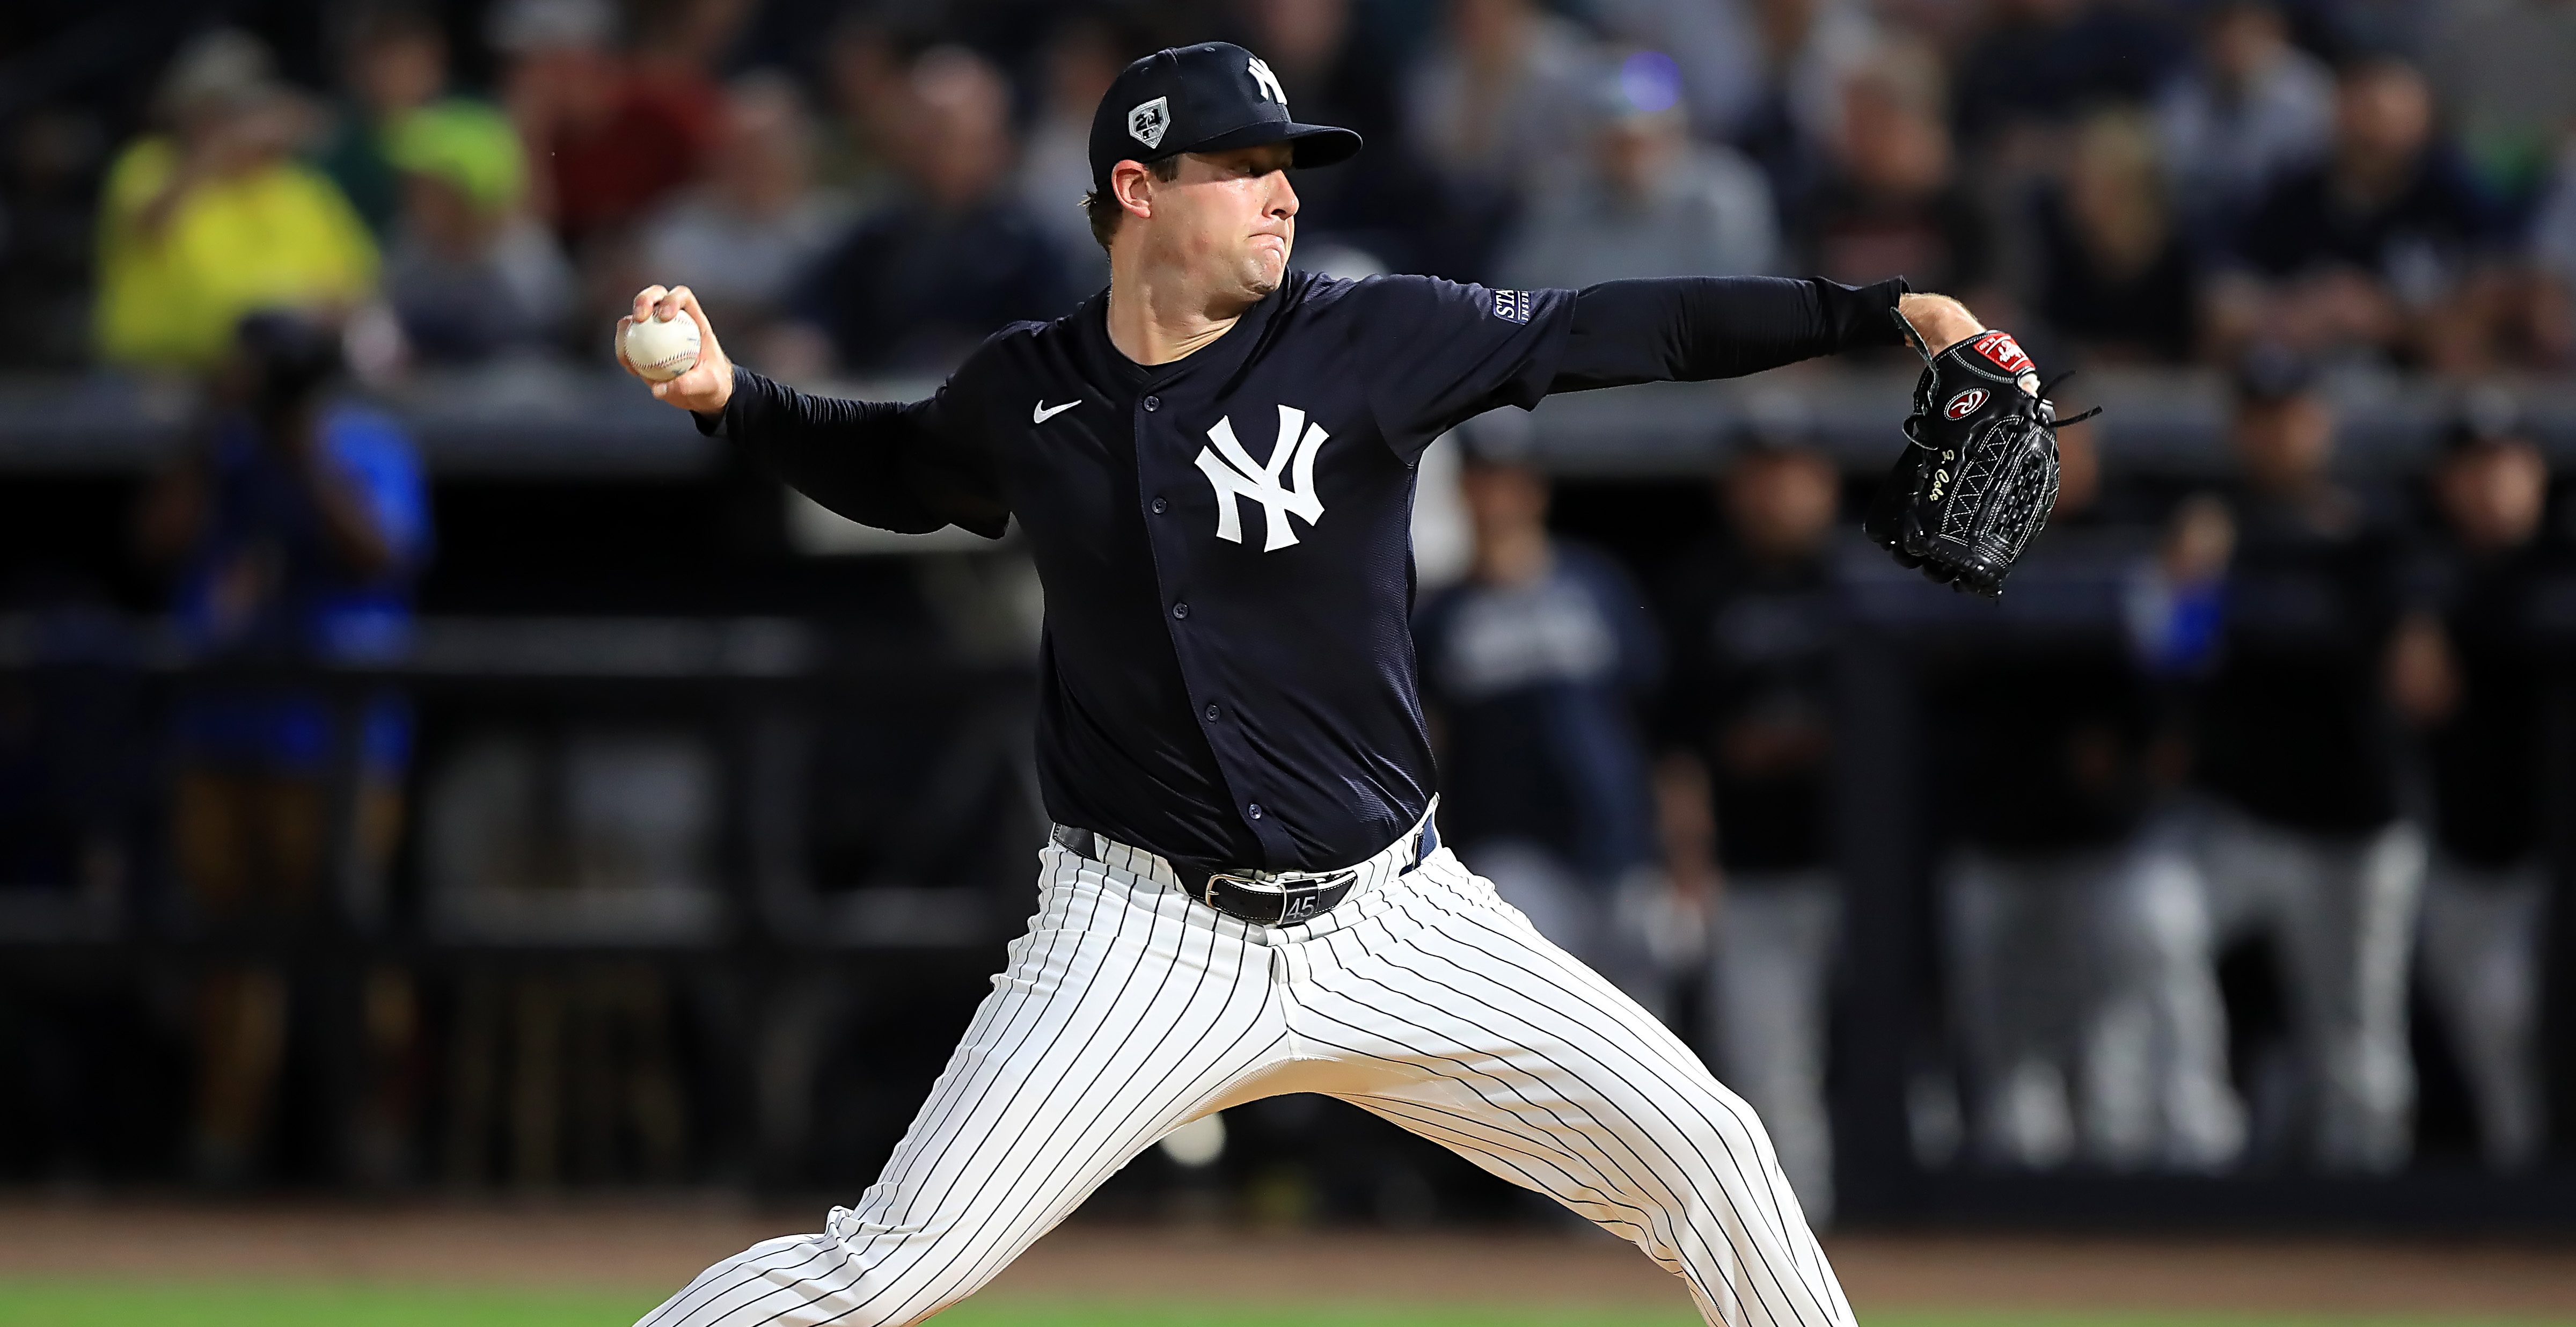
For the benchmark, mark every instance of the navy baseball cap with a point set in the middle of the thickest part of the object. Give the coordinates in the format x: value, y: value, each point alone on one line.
x: 1212, y: 97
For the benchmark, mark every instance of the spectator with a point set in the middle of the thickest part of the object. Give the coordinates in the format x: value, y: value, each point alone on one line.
x: 1808, y: 48
x: 299, y: 528
x: 1713, y: 49
x: 2248, y: 110
x: 1055, y: 168
x: 2040, y: 63
x: 1890, y: 202
x: 2163, y: 987
x: 2469, y: 674
x: 2116, y: 280
x: 2303, y: 843
x: 918, y: 285
x: 2051, y: 898
x: 871, y: 100
x: 1653, y: 203
x: 215, y: 218
x: 2371, y: 249
x: 396, y: 64
x: 472, y: 276
x: 616, y: 133
x: 1746, y: 790
x: 2501, y: 69
x: 1534, y: 666
x: 743, y: 237
x: 49, y: 232
x: 2553, y: 253
x: 1497, y: 103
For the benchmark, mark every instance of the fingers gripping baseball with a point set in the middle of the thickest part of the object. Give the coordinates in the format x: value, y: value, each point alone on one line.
x: 704, y: 386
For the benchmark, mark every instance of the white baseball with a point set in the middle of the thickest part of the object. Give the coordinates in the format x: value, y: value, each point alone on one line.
x: 662, y: 349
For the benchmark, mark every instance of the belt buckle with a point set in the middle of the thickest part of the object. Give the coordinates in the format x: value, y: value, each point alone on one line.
x: 1299, y: 894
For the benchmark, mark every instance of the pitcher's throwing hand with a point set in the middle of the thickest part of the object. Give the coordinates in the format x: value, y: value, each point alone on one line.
x: 707, y: 385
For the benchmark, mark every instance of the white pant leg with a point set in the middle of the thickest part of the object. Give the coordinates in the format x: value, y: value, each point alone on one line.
x: 2350, y: 930
x: 1602, y: 923
x: 1123, y: 1013
x: 2481, y: 951
x: 2016, y: 962
x: 1449, y: 1014
x: 2156, y: 1086
x: 1770, y: 987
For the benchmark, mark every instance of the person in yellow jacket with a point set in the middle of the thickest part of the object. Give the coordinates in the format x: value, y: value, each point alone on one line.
x: 210, y: 221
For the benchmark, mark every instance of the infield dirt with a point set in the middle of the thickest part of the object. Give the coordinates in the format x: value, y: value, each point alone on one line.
x: 655, y: 1244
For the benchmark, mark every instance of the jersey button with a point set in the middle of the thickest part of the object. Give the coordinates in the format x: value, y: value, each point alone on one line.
x: 1253, y: 810
x: 1180, y: 610
x: 1152, y: 404
x: 1161, y: 506
x: 1211, y: 713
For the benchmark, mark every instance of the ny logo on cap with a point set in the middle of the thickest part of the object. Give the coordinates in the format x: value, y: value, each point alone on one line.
x: 1269, y: 82
x: 1232, y: 472
x: 1148, y: 120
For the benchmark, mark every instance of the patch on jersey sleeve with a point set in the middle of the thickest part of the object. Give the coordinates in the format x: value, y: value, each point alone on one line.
x: 1512, y: 306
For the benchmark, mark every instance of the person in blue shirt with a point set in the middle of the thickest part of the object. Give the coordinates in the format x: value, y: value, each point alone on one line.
x: 297, y: 526
x: 1533, y: 670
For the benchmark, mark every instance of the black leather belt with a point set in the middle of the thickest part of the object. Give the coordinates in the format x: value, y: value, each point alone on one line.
x: 1263, y: 898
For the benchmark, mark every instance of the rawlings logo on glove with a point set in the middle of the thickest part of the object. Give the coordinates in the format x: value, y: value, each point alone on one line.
x: 1979, y: 473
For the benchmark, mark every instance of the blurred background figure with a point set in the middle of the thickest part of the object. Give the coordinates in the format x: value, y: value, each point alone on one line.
x: 1745, y: 788
x: 1496, y: 107
x: 743, y: 236
x: 2040, y: 894
x: 2303, y: 844
x: 297, y: 529
x: 472, y: 276
x: 212, y: 216
x: 2117, y: 282
x: 617, y: 125
x: 2372, y: 251
x: 1889, y: 201
x: 958, y: 254
x: 1653, y: 203
x: 2468, y: 674
x: 1807, y: 48
x: 1081, y: 59
x: 2499, y: 69
x: 1535, y: 668
x: 393, y: 63
x: 2247, y: 109
x: 2034, y: 65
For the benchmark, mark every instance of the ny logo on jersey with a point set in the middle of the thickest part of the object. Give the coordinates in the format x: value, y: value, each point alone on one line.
x: 1269, y: 82
x: 1235, y: 476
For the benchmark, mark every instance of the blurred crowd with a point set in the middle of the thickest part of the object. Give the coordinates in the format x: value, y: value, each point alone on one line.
x: 2320, y: 731
x: 871, y: 187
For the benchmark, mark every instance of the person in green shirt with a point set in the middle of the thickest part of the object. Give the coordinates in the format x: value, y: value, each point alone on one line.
x: 202, y: 224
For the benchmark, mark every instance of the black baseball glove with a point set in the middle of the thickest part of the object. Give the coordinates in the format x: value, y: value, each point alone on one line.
x: 1979, y: 472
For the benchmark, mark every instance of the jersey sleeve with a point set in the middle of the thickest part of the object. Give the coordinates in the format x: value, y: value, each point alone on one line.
x: 910, y: 468
x: 1437, y: 352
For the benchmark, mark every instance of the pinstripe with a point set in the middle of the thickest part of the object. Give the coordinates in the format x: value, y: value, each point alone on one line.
x: 1088, y: 1166
x: 1419, y: 975
x: 1672, y: 1201
x: 993, y: 1136
x: 1687, y: 1069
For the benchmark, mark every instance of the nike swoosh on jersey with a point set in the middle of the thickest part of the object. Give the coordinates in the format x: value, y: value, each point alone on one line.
x: 1044, y: 412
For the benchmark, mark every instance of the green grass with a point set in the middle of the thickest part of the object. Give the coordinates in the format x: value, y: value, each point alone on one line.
x: 68, y: 1304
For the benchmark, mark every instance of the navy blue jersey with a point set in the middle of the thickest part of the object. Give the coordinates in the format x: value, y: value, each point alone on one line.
x: 1228, y: 671
x: 1538, y: 687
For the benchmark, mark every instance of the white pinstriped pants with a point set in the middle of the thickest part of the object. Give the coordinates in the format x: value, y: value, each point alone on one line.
x: 1128, y: 1010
